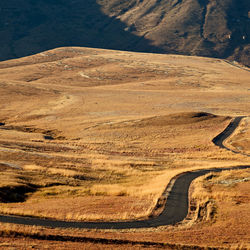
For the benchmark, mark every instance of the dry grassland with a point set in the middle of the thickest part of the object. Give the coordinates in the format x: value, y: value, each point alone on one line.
x: 89, y: 134
x: 240, y: 140
x: 219, y: 217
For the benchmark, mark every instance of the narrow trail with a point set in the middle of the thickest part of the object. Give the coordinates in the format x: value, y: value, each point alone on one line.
x: 11, y: 165
x: 236, y: 65
x: 175, y: 210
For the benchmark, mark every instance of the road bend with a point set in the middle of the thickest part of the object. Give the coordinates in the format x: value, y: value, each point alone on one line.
x: 175, y: 210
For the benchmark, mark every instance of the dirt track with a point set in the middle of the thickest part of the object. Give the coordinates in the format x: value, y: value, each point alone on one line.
x: 176, y: 208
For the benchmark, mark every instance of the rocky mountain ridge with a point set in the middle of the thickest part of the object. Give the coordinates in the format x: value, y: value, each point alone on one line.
x: 212, y: 28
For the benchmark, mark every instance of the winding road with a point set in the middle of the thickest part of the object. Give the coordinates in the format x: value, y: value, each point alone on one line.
x: 220, y: 138
x: 175, y: 210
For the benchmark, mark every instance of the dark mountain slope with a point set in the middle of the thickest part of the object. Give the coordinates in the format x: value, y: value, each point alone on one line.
x: 213, y: 28
x: 197, y: 27
x: 31, y: 26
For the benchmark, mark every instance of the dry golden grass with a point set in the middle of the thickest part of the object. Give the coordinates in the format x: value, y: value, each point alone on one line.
x: 33, y: 168
x: 222, y: 182
x: 112, y: 179
x: 105, y: 131
x: 228, y: 228
x: 240, y: 140
x: 207, y: 192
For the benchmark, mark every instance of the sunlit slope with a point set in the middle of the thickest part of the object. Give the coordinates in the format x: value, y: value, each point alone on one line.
x: 89, y: 127
x: 72, y: 88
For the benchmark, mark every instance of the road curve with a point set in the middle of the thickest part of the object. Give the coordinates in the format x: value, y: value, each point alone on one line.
x: 175, y: 210
x: 220, y: 138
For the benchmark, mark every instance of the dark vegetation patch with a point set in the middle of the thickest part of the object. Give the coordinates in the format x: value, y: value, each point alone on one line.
x: 175, y: 119
x: 203, y: 114
x: 48, y: 137
x: 18, y: 193
x: 118, y: 242
x: 209, y: 177
x: 83, y: 177
x: 48, y: 134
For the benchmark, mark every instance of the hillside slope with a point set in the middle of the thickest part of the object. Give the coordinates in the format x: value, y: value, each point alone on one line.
x: 194, y: 27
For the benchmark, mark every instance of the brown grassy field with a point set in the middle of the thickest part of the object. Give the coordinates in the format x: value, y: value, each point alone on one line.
x: 88, y: 134
x: 220, y: 219
x: 240, y: 140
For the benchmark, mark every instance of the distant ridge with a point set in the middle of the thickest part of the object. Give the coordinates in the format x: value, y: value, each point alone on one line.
x: 212, y: 28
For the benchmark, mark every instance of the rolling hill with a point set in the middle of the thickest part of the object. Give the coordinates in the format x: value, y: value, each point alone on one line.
x: 97, y: 135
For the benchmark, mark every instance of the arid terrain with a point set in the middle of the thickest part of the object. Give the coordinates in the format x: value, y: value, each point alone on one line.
x: 96, y: 135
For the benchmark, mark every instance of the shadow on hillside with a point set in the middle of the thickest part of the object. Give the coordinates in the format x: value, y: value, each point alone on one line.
x: 37, y: 25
